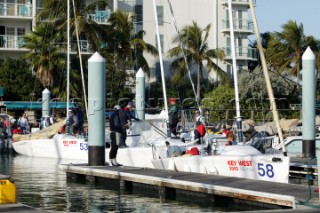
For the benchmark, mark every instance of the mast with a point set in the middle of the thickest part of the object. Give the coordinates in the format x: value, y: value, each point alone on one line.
x: 235, y: 74
x: 162, y: 70
x: 268, y: 83
x: 68, y: 55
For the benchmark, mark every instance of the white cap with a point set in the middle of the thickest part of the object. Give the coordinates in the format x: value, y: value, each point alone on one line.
x: 117, y: 107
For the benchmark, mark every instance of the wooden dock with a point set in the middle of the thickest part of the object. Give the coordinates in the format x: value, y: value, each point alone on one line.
x: 220, y: 188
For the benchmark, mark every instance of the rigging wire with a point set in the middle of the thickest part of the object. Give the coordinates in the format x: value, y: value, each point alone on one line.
x: 80, y: 58
x: 184, y: 55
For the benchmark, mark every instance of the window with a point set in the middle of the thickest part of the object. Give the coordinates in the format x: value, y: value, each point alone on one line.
x: 240, y: 19
x: 158, y: 71
x: 240, y: 52
x: 10, y: 37
x: 229, y: 70
x: 161, y: 43
x: 138, y: 9
x: 160, y: 15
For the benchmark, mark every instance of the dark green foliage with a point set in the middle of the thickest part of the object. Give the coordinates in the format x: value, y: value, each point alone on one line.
x: 18, y: 82
x: 218, y: 100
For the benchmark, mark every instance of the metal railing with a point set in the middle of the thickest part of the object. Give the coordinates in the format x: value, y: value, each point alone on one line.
x: 11, y: 41
x: 13, y: 9
x: 99, y: 16
x: 246, y: 52
x: 238, y: 24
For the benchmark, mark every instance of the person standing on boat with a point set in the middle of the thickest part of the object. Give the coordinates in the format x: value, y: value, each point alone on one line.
x: 231, y: 139
x: 23, y: 122
x: 80, y: 116
x: 115, y: 135
x: 200, y: 129
x: 125, y: 118
x: 53, y: 118
x: 72, y: 122
x: 173, y: 117
x: 45, y: 121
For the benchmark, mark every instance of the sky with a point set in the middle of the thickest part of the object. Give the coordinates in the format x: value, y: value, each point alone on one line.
x: 272, y: 14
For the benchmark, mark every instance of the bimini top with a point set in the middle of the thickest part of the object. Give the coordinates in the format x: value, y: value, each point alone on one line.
x: 35, y: 105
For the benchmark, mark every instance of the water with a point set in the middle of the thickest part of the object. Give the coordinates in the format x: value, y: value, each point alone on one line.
x: 41, y: 184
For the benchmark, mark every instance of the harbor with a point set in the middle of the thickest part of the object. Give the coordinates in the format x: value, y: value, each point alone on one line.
x: 184, y: 155
x: 60, y: 185
x: 42, y: 185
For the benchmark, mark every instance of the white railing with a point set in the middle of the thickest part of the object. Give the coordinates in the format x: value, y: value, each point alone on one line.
x: 11, y: 41
x: 100, y: 16
x: 12, y: 9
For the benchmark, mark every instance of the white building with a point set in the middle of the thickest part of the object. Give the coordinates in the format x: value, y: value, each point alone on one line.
x: 203, y: 12
x: 17, y: 17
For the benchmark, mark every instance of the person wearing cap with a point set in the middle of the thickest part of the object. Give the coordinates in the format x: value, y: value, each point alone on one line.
x: 173, y: 117
x: 125, y: 118
x: 115, y: 135
x: 128, y: 109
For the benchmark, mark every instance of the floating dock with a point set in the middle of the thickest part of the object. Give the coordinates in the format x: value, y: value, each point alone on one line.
x: 219, y: 188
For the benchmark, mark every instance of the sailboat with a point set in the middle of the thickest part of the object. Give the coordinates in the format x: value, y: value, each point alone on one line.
x: 51, y: 144
x: 148, y: 149
x: 237, y: 160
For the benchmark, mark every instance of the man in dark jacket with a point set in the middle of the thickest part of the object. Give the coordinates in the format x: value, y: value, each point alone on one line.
x: 125, y: 119
x: 115, y: 135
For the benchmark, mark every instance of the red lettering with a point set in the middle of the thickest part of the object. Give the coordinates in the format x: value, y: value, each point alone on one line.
x: 233, y: 168
x: 245, y: 162
x: 232, y: 163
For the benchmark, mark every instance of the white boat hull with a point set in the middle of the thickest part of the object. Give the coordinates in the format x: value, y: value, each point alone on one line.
x: 70, y: 147
x: 273, y: 168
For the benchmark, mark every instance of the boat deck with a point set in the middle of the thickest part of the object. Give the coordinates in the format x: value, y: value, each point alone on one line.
x: 164, y: 182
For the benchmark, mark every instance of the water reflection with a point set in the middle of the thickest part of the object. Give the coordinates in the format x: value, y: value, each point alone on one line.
x: 41, y: 184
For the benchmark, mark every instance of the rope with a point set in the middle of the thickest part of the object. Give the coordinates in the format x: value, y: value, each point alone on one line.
x: 309, y: 186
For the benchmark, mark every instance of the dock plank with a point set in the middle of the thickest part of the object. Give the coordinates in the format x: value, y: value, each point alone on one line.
x: 253, y: 190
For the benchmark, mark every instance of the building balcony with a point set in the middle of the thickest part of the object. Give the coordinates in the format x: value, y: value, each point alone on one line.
x: 99, y: 16
x: 10, y: 42
x: 236, y: 2
x: 12, y: 10
x: 242, y: 53
x: 85, y: 47
x: 239, y: 26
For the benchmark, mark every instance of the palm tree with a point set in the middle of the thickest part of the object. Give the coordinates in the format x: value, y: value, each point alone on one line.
x: 195, y: 43
x: 124, y: 51
x: 127, y: 44
x: 286, y: 48
x: 56, y: 10
x: 45, y: 55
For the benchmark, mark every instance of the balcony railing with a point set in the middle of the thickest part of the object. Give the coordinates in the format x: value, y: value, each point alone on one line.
x: 16, y: 42
x: 238, y: 25
x: 241, y: 2
x: 100, y: 16
x: 85, y: 47
x: 243, y: 52
x: 12, y: 9
x: 11, y: 41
